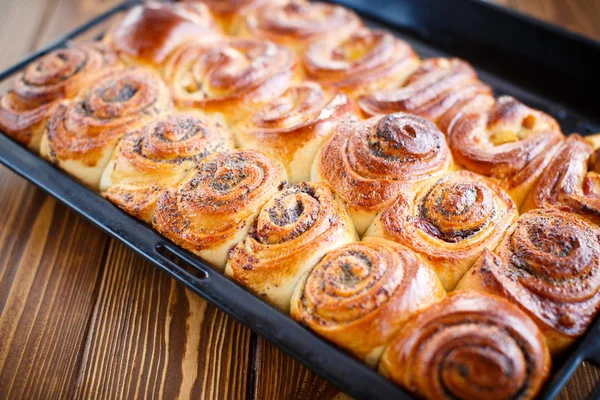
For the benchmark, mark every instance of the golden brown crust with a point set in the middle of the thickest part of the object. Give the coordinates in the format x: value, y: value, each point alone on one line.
x: 437, y: 89
x: 149, y: 33
x: 293, y: 230
x: 507, y: 142
x: 294, y: 125
x: 298, y: 23
x: 549, y: 264
x: 469, y: 346
x: 571, y: 182
x: 229, y: 12
x: 158, y: 155
x: 369, y: 163
x: 365, y: 61
x: 86, y: 130
x: 449, y: 222
x: 217, y: 202
x: 231, y: 78
x: 360, y: 294
x: 36, y: 91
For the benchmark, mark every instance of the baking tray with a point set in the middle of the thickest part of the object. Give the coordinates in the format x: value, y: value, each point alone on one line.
x: 545, y: 66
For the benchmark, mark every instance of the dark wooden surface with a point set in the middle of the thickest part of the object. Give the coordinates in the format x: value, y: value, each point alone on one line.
x: 83, y: 317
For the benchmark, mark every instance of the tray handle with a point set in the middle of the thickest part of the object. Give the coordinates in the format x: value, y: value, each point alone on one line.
x: 180, y: 263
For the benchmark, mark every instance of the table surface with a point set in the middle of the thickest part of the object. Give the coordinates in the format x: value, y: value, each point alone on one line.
x: 81, y: 316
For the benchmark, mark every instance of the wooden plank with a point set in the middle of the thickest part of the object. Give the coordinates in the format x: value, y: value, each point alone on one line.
x: 279, y: 376
x: 579, y: 16
x: 150, y: 337
x: 48, y: 280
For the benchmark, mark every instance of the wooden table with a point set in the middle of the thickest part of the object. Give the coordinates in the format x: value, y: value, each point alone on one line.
x: 82, y: 316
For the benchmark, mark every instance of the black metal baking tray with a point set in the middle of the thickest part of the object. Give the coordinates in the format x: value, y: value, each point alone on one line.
x: 544, y: 66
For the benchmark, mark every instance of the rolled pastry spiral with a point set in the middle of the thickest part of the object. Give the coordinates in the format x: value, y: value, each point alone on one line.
x: 369, y: 163
x: 449, y: 222
x: 230, y: 79
x: 298, y: 23
x: 507, y: 142
x: 365, y: 61
x: 437, y: 89
x: 213, y: 207
x: 158, y: 155
x: 293, y: 230
x: 229, y: 13
x: 360, y: 294
x: 61, y: 74
x: 148, y: 33
x: 571, y: 182
x: 548, y: 264
x: 469, y: 346
x: 82, y: 134
x: 292, y: 127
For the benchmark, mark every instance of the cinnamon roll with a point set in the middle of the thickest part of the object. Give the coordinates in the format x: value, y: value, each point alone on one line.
x: 360, y: 294
x: 449, y: 222
x: 293, y: 230
x: 61, y: 74
x: 365, y: 61
x: 469, y: 346
x: 437, y: 89
x: 82, y: 134
x: 156, y: 156
x: 229, y: 13
x: 571, y: 182
x: 369, y: 163
x: 149, y: 33
x: 292, y: 127
x: 508, y: 142
x: 548, y: 264
x: 230, y: 79
x: 213, y: 207
x: 298, y: 23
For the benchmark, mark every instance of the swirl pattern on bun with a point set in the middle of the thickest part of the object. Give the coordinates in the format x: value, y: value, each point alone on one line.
x: 508, y: 142
x: 60, y: 74
x: 366, y: 60
x: 158, y: 155
x: 571, y: 182
x: 213, y: 207
x: 438, y: 89
x: 297, y: 24
x: 469, y: 346
x: 292, y: 127
x: 449, y: 222
x: 293, y: 230
x: 548, y: 264
x: 82, y: 134
x: 360, y: 294
x: 369, y: 163
x: 230, y: 79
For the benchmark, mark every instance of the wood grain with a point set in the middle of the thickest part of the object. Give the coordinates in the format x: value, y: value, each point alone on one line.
x: 279, y: 376
x: 47, y: 290
x: 579, y: 16
x: 150, y: 337
x: 83, y: 317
